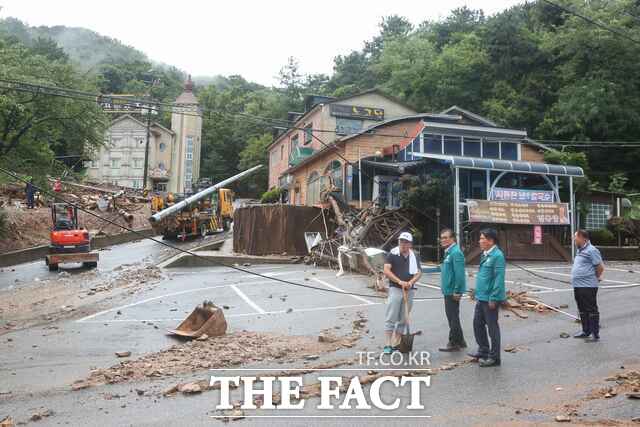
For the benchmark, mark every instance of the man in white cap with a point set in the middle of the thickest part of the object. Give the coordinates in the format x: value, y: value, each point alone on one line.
x: 402, y: 268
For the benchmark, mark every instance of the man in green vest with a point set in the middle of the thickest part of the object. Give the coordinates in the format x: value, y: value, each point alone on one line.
x: 453, y: 284
x: 490, y: 293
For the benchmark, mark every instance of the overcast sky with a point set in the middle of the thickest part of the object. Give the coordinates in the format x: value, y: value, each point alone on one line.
x: 250, y: 38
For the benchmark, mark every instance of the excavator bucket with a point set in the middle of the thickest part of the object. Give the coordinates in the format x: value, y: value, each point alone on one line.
x: 207, y: 319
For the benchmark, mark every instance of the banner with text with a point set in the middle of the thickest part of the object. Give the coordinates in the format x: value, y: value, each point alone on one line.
x: 518, y: 195
x: 518, y: 213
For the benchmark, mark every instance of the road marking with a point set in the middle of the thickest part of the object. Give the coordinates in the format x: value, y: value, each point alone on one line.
x: 568, y: 275
x: 207, y: 270
x: 248, y: 300
x: 429, y: 286
x: 122, y: 307
x: 531, y: 285
x: 335, y: 288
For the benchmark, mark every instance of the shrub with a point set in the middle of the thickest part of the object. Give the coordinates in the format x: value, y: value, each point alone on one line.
x: 271, y: 196
x: 603, y: 237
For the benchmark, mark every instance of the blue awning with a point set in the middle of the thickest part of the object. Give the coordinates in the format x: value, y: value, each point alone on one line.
x: 505, y: 165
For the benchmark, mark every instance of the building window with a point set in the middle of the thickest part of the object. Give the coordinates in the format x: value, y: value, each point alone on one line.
x: 294, y: 143
x: 453, y: 145
x: 137, y: 163
x: 137, y: 183
x: 509, y: 151
x: 114, y: 182
x: 160, y: 186
x: 115, y: 163
x: 334, y: 170
x: 598, y: 216
x: 94, y: 164
x: 308, y: 133
x: 433, y: 143
x: 346, y: 126
x: 188, y: 165
x: 115, y: 142
x: 162, y: 146
x: 282, y: 152
x: 471, y: 147
x: 140, y: 141
x: 490, y: 150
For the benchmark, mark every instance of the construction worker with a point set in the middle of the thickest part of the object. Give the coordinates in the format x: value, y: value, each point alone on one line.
x: 402, y: 268
x: 453, y: 284
x: 31, y: 191
x: 585, y: 275
x: 489, y: 294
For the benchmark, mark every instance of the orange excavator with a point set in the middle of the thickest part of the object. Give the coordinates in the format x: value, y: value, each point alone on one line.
x: 70, y: 243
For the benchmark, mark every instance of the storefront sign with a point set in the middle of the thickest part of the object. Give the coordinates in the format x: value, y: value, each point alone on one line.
x: 518, y: 195
x: 518, y: 213
x: 537, y: 234
x: 357, y: 112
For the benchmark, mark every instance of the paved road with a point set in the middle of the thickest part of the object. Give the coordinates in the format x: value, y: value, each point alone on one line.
x: 547, y: 371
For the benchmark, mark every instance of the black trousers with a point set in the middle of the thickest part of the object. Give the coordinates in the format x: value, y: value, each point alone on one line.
x: 486, y: 320
x: 452, y: 310
x: 587, y: 301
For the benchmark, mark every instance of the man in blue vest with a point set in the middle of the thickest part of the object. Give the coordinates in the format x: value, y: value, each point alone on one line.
x: 490, y: 293
x: 585, y: 275
x: 453, y: 284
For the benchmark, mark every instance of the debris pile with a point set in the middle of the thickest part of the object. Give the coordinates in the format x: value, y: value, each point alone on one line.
x: 627, y: 382
x: 522, y: 301
x: 355, y: 231
x: 225, y: 351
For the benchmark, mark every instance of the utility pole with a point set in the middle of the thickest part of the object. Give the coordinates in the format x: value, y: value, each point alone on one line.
x: 146, y: 146
x: 146, y: 149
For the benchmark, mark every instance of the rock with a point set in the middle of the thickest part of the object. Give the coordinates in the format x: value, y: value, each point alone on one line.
x: 564, y: 335
x: 312, y: 357
x: 171, y: 390
x: 118, y: 312
x: 327, y: 337
x: 226, y: 307
x: 123, y: 353
x: 190, y: 388
x: 140, y: 392
x: 7, y: 422
x: 246, y: 264
x: 202, y: 337
x: 289, y: 310
x: 634, y: 420
x: 563, y: 306
x: 562, y: 419
x: 633, y: 395
x: 510, y: 349
x: 79, y: 385
x: 40, y: 415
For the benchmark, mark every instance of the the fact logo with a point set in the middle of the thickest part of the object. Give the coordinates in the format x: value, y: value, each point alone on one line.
x: 334, y: 392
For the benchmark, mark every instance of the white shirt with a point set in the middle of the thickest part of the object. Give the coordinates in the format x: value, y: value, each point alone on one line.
x: 487, y: 252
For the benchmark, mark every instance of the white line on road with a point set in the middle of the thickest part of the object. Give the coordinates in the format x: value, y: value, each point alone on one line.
x: 568, y: 275
x: 531, y: 285
x: 122, y: 307
x: 428, y: 286
x: 335, y: 288
x: 248, y: 300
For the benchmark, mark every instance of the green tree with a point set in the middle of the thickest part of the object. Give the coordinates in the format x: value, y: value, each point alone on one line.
x: 35, y: 126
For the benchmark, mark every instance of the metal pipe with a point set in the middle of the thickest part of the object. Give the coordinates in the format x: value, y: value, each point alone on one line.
x: 186, y: 202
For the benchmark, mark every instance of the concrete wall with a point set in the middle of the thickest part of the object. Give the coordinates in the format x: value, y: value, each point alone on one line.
x: 38, y: 253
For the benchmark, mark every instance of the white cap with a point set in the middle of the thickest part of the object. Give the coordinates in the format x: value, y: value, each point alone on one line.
x: 406, y: 236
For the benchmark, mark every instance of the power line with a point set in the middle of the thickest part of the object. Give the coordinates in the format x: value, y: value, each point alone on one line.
x: 185, y: 251
x: 592, y: 21
x: 267, y: 121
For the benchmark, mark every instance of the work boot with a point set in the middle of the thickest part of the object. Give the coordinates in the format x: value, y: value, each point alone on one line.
x: 586, y: 329
x: 485, y: 363
x: 594, y: 320
x: 477, y: 356
x: 450, y: 348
